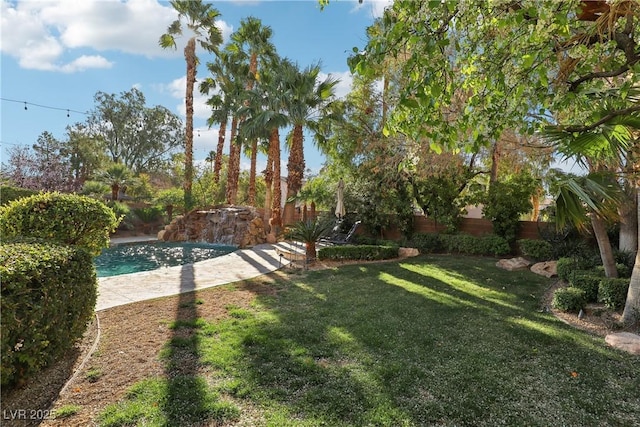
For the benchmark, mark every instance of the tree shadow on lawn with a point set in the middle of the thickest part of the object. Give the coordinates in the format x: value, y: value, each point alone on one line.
x: 392, y: 344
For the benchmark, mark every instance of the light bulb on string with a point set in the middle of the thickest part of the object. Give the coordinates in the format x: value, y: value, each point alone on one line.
x: 25, y: 105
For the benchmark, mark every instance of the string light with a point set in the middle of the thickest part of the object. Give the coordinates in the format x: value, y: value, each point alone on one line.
x: 26, y: 104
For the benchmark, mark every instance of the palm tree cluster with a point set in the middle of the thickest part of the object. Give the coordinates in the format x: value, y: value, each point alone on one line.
x: 257, y: 93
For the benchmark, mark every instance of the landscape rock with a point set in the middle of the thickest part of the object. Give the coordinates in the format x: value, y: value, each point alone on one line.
x: 624, y: 341
x: 408, y: 252
x: 546, y: 268
x: 513, y: 264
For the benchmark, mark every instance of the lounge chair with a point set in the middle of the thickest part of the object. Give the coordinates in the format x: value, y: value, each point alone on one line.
x: 337, y: 238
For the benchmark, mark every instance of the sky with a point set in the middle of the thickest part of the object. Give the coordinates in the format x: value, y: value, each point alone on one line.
x: 56, y: 54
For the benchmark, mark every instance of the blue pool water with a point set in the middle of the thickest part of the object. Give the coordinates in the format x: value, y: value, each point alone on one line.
x: 131, y: 258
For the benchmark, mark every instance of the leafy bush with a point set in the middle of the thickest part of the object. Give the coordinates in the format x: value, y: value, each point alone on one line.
x: 540, y: 250
x: 49, y: 293
x: 567, y: 265
x: 613, y: 292
x: 472, y: 245
x: 148, y: 214
x: 9, y: 194
x: 569, y: 299
x: 506, y: 202
x: 360, y: 252
x: 627, y: 258
x: 64, y: 218
x: 588, y: 281
x: 426, y: 242
x: 622, y: 269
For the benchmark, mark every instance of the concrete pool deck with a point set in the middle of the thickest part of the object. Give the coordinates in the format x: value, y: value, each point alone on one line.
x: 239, y: 265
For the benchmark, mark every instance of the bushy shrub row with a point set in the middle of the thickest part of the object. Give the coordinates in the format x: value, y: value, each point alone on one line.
x: 359, y: 252
x: 540, y: 250
x: 586, y: 287
x: 460, y: 243
x: 567, y: 266
x: 49, y: 293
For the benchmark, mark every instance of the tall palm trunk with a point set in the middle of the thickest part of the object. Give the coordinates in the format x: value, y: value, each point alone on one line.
x: 252, y: 172
x: 276, y: 204
x: 253, y: 69
x: 295, y: 168
x: 233, y: 175
x: 604, y: 245
x: 217, y: 164
x: 190, y: 57
x: 268, y: 180
x: 629, y: 221
x: 631, y: 311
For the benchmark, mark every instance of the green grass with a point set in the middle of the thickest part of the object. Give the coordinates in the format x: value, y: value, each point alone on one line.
x: 439, y: 340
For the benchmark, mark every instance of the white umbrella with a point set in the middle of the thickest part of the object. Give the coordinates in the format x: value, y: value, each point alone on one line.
x: 340, y: 212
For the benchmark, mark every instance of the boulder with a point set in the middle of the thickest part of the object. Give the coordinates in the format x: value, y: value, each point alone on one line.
x: 547, y: 268
x: 625, y: 341
x: 408, y: 252
x: 513, y: 264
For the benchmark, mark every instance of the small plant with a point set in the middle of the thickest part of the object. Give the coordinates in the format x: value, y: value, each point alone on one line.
x: 309, y: 232
x: 569, y: 299
x: 66, y: 411
x: 427, y: 242
x: 613, y: 292
x: 93, y: 375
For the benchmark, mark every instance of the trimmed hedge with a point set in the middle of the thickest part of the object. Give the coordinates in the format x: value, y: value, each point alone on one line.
x: 460, y: 243
x: 588, y: 281
x: 358, y: 252
x: 568, y: 265
x: 64, y: 218
x: 540, y: 250
x: 49, y: 293
x: 569, y: 299
x: 613, y: 292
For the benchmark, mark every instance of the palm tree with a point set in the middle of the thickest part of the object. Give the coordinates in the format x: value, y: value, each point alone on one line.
x: 117, y: 176
x: 266, y: 111
x: 606, y: 144
x: 252, y: 43
x: 306, y: 99
x: 200, y: 20
x: 309, y: 232
x: 211, y: 158
x: 227, y: 76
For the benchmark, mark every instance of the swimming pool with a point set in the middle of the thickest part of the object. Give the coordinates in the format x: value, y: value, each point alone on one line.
x: 134, y: 257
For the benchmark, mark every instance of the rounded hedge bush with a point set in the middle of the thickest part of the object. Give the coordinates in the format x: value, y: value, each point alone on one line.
x: 64, y: 218
x: 540, y: 250
x: 613, y: 292
x: 588, y: 281
x: 569, y: 299
x: 49, y: 293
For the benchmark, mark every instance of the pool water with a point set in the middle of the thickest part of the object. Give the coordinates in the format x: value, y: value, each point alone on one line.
x: 132, y: 258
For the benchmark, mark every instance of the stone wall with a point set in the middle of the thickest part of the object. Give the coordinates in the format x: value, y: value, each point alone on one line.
x: 241, y: 226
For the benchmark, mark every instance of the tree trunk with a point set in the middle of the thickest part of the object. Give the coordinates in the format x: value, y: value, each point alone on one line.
x: 115, y: 189
x: 295, y: 174
x: 234, y: 160
x: 190, y: 57
x: 276, y: 209
x: 310, y: 251
x: 495, y: 161
x: 268, y: 180
x: 252, y: 172
x: 631, y: 313
x: 217, y: 165
x: 604, y: 245
x: 629, y: 222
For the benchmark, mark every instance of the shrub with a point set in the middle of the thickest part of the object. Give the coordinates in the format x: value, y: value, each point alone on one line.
x: 540, y: 250
x: 472, y: 245
x: 149, y: 214
x: 360, y: 252
x: 426, y: 242
x: 588, y: 281
x: 49, y: 293
x: 64, y: 218
x: 506, y: 201
x: 622, y: 269
x: 569, y: 299
x: 567, y: 265
x: 613, y: 292
x: 9, y: 194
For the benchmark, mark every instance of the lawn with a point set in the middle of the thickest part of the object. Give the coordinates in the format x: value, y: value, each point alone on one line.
x: 438, y: 340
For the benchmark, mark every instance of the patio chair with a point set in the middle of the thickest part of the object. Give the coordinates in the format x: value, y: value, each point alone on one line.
x: 337, y: 238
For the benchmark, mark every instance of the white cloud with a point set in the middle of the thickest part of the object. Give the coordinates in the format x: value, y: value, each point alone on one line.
x: 86, y: 62
x: 344, y: 86
x: 39, y: 33
x: 177, y: 89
